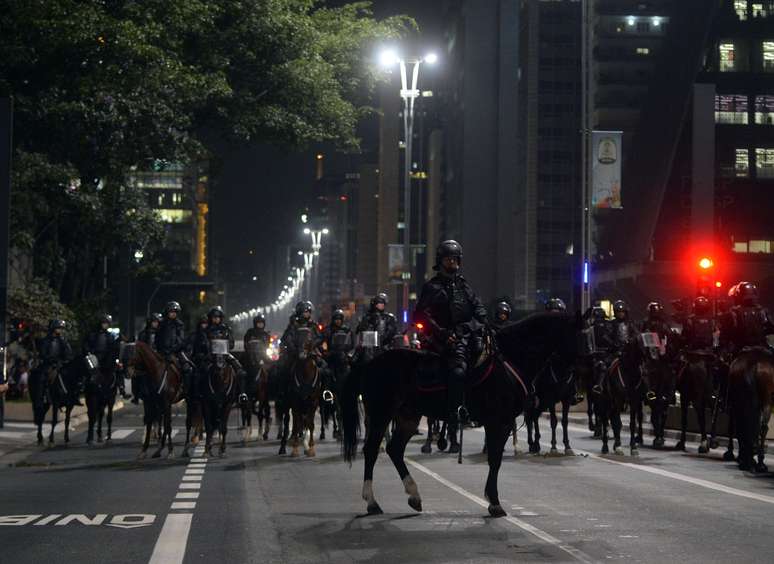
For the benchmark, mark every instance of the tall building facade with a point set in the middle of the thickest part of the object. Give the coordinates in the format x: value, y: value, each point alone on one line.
x: 690, y: 84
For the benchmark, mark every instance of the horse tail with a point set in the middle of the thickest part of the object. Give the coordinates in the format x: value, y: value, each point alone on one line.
x: 745, y: 403
x: 350, y: 413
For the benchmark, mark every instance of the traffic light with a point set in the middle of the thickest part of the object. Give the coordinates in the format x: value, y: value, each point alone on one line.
x: 706, y: 263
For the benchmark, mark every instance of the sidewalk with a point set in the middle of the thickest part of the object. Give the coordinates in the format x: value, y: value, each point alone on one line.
x: 18, y: 436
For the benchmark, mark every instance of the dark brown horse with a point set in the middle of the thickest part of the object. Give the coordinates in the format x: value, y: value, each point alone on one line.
x: 221, y: 392
x: 304, y: 393
x: 401, y: 385
x: 751, y: 385
x: 101, y: 388
x: 164, y: 390
x: 694, y: 382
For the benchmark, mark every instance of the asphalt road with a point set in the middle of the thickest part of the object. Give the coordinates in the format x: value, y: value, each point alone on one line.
x: 99, y: 504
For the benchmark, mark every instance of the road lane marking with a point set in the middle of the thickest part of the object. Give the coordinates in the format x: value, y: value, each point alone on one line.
x: 171, y: 544
x: 197, y: 460
x: 122, y: 433
x: 197, y: 465
x: 195, y: 471
x: 192, y: 478
x: 187, y: 495
x: 539, y: 533
x: 49, y: 519
x: 183, y: 505
x: 190, y: 486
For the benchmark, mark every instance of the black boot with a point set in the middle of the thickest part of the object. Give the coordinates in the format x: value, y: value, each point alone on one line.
x: 243, y: 399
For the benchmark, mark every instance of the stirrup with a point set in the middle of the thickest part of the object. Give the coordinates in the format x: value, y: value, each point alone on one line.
x: 597, y: 389
x: 650, y: 396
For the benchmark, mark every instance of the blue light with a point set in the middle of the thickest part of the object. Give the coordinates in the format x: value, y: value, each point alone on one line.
x: 405, y: 316
x: 585, y: 272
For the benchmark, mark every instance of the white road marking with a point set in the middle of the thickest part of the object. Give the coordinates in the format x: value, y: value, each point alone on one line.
x: 198, y: 460
x: 194, y: 471
x: 170, y: 546
x: 190, y: 486
x: 542, y: 535
x: 16, y: 434
x: 174, y: 433
x: 183, y: 505
x: 20, y: 425
x: 192, y: 478
x: 187, y: 495
x: 197, y: 465
x: 122, y: 433
x: 47, y: 520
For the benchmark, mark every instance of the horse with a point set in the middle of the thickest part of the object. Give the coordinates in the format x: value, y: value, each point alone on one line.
x: 610, y: 403
x: 330, y: 410
x: 221, y: 392
x: 694, y: 382
x: 553, y: 384
x: 304, y: 394
x: 164, y: 389
x: 751, y: 385
x: 658, y: 373
x: 55, y: 386
x: 406, y: 384
x: 101, y: 388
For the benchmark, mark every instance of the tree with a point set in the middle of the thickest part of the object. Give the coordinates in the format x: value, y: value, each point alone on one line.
x: 101, y: 87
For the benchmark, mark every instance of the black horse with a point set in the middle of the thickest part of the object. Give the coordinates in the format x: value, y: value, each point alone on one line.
x: 101, y: 387
x: 404, y: 385
x: 56, y: 387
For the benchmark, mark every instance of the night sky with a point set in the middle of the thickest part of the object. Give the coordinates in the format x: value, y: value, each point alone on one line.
x: 260, y: 189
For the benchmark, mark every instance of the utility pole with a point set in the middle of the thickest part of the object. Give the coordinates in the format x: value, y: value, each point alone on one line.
x: 586, y: 128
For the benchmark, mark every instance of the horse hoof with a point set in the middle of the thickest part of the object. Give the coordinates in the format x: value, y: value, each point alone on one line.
x: 454, y: 448
x: 497, y: 511
x: 605, y: 449
x: 374, y: 509
x: 569, y: 452
x: 680, y: 446
x: 658, y: 443
x: 142, y: 456
x: 745, y: 466
x: 170, y: 454
x: 294, y: 453
x: 266, y: 436
x: 553, y: 452
x: 311, y: 453
x: 442, y: 444
x: 728, y: 456
x: 638, y: 440
x: 90, y: 443
x: 597, y: 435
x: 634, y: 452
x: 714, y: 443
x: 222, y: 454
x: 619, y: 451
x: 282, y: 450
x: 761, y: 468
x: 415, y: 503
x: 99, y: 439
x: 703, y: 448
x: 156, y: 454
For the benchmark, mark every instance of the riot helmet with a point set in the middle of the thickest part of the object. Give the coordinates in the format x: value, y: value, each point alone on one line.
x: 503, y: 311
x: 448, y: 249
x: 701, y: 305
x: 556, y: 304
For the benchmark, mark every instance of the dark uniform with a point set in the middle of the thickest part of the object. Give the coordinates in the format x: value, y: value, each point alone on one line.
x: 749, y: 321
x: 381, y: 321
x: 53, y: 351
x: 147, y: 336
x: 217, y: 329
x: 656, y: 323
x: 454, y: 318
x: 290, y: 338
x: 258, y: 333
x: 170, y: 342
x: 700, y: 327
x: 103, y: 345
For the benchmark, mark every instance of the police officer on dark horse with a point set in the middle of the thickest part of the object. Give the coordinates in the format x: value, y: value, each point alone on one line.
x: 147, y: 336
x: 454, y: 317
x: 256, y: 341
x: 338, y: 344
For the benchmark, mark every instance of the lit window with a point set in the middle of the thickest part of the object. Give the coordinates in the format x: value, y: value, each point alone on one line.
x: 727, y: 57
x: 759, y: 246
x: 160, y: 200
x: 643, y: 51
x: 731, y: 108
x: 768, y: 56
x: 174, y: 216
x: 764, y: 163
x: 742, y: 163
x: 631, y: 21
x: 762, y: 9
x: 177, y: 198
x: 740, y: 246
x: 740, y: 7
x: 764, y: 110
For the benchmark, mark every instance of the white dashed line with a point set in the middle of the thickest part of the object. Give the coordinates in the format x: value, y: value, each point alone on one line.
x: 122, y: 433
x: 170, y: 546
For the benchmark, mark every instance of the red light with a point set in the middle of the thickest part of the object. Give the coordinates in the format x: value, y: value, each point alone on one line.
x: 718, y: 284
x: 320, y: 326
x: 706, y: 263
x: 343, y: 198
x: 420, y: 326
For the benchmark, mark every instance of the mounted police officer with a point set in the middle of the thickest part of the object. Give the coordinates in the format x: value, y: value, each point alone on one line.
x: 502, y: 316
x: 656, y: 323
x: 455, y: 318
x: 54, y: 351
x: 339, y: 341
x: 556, y: 305
x: 104, y: 346
x: 301, y: 320
x: 147, y: 336
x: 170, y: 342
x: 379, y: 320
x: 700, y: 327
x: 601, y: 329
x: 217, y: 329
x: 255, y: 353
x: 749, y: 321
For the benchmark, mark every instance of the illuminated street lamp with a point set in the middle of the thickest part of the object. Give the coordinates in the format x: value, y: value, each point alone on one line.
x: 389, y: 58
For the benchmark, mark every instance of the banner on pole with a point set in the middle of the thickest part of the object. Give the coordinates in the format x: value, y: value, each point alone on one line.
x: 396, y: 263
x: 606, y: 169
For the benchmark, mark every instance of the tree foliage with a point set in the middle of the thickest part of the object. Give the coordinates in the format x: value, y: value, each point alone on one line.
x: 101, y: 86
